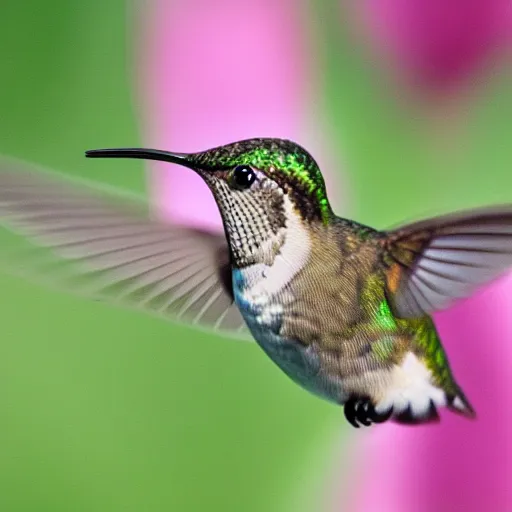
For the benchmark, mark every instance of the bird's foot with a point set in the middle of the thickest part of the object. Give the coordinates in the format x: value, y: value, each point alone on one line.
x: 361, y: 410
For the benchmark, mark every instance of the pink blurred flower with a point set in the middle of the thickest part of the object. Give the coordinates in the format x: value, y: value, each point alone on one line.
x: 439, y: 43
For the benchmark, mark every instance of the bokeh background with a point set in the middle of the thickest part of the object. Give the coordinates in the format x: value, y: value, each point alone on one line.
x: 407, y: 106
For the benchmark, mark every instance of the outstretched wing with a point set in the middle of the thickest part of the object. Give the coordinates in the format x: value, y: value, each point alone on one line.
x: 108, y: 247
x: 436, y: 261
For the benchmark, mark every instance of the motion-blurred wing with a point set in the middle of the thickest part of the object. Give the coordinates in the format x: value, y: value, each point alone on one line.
x: 109, y: 248
x: 435, y: 261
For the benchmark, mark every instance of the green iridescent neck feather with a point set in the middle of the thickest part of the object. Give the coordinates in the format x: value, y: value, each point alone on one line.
x: 284, y: 161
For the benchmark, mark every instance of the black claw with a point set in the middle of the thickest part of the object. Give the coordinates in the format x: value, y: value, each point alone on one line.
x: 381, y: 417
x: 362, y: 414
x: 350, y: 412
x: 360, y: 410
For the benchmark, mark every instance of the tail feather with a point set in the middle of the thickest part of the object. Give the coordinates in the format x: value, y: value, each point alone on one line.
x: 460, y: 405
x: 414, y: 416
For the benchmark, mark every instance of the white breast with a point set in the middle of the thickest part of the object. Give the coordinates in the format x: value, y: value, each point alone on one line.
x: 262, y: 282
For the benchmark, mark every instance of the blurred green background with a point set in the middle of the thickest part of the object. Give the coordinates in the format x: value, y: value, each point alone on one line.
x: 108, y: 410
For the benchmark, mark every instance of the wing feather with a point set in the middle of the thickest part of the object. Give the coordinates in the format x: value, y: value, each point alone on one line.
x: 103, y: 245
x: 448, y: 258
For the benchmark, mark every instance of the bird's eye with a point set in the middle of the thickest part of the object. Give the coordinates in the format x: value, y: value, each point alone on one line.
x: 243, y: 177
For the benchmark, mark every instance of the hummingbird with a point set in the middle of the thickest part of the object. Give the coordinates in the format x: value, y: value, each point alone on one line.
x: 342, y: 309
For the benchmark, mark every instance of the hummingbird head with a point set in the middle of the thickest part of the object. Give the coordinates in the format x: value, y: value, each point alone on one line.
x: 263, y: 187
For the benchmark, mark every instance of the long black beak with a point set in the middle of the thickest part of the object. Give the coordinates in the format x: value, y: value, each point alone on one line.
x: 141, y: 153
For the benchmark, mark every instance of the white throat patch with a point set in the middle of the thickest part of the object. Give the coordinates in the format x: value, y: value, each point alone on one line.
x: 261, y: 280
